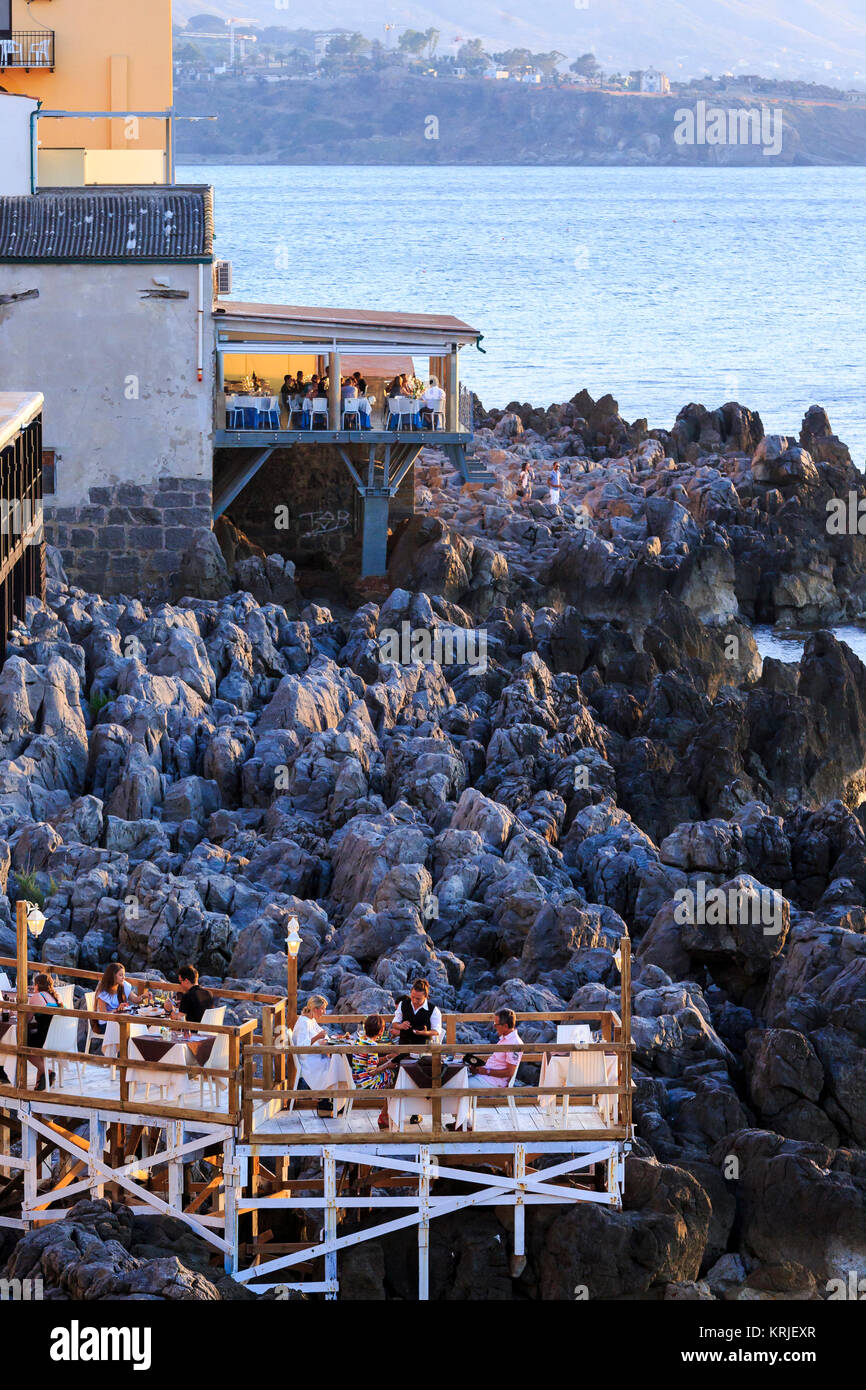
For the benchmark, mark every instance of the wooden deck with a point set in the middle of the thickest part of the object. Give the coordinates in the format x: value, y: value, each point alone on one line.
x: 268, y: 1152
x: 530, y: 1120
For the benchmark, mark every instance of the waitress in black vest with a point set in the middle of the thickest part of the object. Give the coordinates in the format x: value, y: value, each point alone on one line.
x: 415, y: 1019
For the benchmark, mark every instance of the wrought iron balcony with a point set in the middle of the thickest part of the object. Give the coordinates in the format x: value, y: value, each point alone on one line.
x: 27, y: 48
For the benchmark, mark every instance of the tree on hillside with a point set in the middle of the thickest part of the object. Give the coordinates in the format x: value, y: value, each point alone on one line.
x: 205, y: 21
x: 413, y: 42
x: 546, y: 62
x: 472, y: 55
x: 432, y: 39
x: 348, y: 46
x: 586, y: 66
x: 514, y: 58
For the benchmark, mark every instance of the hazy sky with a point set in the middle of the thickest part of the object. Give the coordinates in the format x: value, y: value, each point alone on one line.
x: 814, y: 39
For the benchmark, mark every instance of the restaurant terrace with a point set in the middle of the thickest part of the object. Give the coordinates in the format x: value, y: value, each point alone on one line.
x: 377, y: 436
x: 216, y: 1128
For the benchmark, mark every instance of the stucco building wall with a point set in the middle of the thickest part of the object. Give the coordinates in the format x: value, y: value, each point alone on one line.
x: 125, y: 413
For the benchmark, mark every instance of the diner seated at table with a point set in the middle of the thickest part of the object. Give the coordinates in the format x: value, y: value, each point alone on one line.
x: 360, y: 383
x: 373, y: 1071
x: 308, y: 1032
x: 44, y: 994
x: 415, y: 1019
x: 433, y: 398
x: 192, y: 999
x: 114, y: 993
x: 500, y: 1066
x: 348, y: 389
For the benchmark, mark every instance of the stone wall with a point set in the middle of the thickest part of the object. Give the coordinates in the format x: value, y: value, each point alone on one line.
x: 129, y: 537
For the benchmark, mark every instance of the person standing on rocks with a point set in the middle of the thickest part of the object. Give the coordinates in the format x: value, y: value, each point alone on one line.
x: 524, y: 483
x: 554, y: 482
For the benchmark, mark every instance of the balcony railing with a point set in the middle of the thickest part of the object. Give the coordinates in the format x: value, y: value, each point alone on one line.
x: 27, y: 48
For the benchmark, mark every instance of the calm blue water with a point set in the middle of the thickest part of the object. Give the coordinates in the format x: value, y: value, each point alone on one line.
x: 662, y: 286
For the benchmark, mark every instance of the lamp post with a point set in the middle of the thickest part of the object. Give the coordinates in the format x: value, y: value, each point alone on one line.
x: 27, y: 918
x: 293, y: 945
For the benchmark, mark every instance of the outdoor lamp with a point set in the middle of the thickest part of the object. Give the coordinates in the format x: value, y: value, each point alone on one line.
x: 35, y: 919
x: 293, y: 938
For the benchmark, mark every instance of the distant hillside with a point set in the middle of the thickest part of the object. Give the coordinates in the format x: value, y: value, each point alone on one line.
x: 823, y: 40
x: 386, y: 119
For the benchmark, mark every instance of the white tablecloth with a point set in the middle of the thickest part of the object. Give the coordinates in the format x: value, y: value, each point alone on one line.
x: 252, y: 403
x: 141, y: 1023
x: 581, y: 1068
x: 328, y: 1072
x: 456, y: 1109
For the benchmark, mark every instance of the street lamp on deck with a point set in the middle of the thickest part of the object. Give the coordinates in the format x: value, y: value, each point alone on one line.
x: 27, y: 918
x: 293, y: 945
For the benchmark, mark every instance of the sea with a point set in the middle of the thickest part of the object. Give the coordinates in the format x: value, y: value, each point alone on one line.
x: 661, y: 286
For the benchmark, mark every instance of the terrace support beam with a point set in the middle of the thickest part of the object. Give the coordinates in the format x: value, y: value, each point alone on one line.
x: 334, y: 390
x: 374, y: 553
x: 452, y: 404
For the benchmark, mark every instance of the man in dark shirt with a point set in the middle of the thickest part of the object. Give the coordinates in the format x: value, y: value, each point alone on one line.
x: 193, y: 1001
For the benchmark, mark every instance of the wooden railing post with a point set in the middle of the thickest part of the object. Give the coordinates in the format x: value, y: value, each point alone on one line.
x: 437, y: 1094
x: 234, y: 1092
x: 123, y: 1057
x: 268, y: 1041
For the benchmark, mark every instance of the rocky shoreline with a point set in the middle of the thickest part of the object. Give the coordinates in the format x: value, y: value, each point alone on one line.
x: 182, y: 779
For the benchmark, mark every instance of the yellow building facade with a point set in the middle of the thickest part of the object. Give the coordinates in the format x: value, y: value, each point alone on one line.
x: 93, y: 55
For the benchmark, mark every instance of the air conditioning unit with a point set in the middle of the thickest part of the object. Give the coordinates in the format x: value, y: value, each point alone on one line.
x: 223, y: 277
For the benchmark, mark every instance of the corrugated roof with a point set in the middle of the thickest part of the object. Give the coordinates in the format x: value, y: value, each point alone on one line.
x: 308, y: 316
x: 108, y: 224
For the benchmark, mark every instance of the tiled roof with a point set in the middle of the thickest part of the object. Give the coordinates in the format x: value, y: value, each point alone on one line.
x: 108, y: 224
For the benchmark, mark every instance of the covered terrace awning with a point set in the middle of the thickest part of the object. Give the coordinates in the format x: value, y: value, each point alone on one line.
x: 346, y: 340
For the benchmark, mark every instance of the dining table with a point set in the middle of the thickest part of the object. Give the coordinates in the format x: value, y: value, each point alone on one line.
x: 412, y: 1078
x: 139, y: 1022
x: 256, y: 412
x: 580, y: 1067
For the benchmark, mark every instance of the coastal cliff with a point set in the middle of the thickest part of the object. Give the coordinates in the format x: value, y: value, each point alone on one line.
x: 386, y: 119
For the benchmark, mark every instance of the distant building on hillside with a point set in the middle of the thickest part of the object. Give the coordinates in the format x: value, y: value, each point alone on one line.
x: 322, y: 43
x: 655, y: 82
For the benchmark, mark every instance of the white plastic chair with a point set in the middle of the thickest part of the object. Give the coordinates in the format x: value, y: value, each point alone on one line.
x: 352, y: 407
x: 9, y: 1063
x: 39, y: 53
x: 494, y: 1090
x: 9, y: 51
x: 217, y: 1061
x: 66, y: 995
x: 405, y: 410
x: 5, y: 983
x: 320, y: 409
x: 62, y: 1036
x: 90, y: 1008
x: 215, y: 1016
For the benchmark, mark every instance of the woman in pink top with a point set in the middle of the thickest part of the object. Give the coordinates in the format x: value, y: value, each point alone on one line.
x: 501, y: 1065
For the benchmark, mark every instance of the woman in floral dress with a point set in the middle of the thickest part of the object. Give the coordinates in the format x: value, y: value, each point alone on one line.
x: 372, y: 1070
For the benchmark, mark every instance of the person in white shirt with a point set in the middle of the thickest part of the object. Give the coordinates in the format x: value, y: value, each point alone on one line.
x: 415, y: 1020
x: 433, y: 398
x: 308, y: 1032
x: 554, y: 482
x: 500, y: 1066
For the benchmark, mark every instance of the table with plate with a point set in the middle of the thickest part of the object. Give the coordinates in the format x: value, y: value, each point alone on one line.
x: 411, y: 1078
